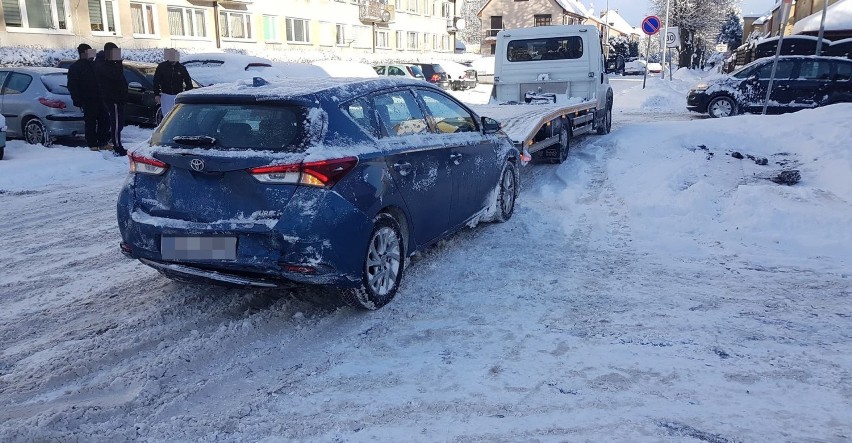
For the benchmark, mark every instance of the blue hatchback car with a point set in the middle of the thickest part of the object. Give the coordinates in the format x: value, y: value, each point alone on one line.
x: 329, y: 181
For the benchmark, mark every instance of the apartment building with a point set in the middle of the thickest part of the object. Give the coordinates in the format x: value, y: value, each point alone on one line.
x: 343, y: 26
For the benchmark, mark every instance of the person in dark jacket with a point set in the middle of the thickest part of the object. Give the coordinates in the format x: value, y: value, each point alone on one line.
x: 170, y: 79
x: 87, y: 96
x: 113, y: 87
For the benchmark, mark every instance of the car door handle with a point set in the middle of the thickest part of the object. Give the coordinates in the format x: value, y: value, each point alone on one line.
x: 402, y: 168
x: 456, y: 158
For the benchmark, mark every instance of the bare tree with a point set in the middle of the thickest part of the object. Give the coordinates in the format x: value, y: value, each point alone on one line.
x: 472, y: 32
x: 699, y: 22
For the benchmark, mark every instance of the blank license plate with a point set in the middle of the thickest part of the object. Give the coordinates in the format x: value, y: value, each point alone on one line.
x: 198, y: 248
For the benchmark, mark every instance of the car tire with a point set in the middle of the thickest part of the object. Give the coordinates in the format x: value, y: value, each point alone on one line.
x: 2, y: 152
x: 35, y: 133
x: 507, y: 193
x: 384, y: 262
x: 606, y: 124
x: 563, y: 146
x: 723, y: 106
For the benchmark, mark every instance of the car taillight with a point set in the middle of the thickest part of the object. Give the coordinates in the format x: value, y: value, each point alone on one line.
x: 56, y: 104
x: 145, y: 165
x: 436, y: 77
x: 325, y: 173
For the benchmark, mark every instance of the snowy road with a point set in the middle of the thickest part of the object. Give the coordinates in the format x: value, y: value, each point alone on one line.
x: 570, y: 322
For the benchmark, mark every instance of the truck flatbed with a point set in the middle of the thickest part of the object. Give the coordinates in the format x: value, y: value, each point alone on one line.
x: 521, y: 122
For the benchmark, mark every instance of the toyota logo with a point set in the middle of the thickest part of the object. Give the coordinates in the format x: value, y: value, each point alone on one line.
x: 197, y: 164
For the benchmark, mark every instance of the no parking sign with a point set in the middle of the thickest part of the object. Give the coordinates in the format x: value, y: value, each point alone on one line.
x: 651, y: 25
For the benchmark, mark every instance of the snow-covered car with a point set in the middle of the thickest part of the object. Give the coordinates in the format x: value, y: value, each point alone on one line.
x: 343, y: 68
x: 38, y: 105
x: 635, y: 67
x: 655, y: 68
x: 460, y: 76
x: 399, y: 70
x: 222, y: 67
x: 801, y: 82
x: 262, y: 184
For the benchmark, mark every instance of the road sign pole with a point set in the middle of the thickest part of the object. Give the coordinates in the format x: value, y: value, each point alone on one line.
x: 821, y: 28
x: 786, y: 15
x: 664, y: 40
x: 647, y: 57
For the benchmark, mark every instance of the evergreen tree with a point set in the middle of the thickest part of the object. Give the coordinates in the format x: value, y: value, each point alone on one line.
x: 731, y: 31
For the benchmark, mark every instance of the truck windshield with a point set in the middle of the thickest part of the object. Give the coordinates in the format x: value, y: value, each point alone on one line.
x: 549, y: 48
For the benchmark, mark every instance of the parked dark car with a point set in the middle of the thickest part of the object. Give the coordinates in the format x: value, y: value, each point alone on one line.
x: 801, y: 82
x: 334, y: 182
x: 435, y: 74
x: 141, y: 108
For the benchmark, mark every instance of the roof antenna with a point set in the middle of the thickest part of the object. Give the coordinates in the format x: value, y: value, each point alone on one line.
x: 258, y: 81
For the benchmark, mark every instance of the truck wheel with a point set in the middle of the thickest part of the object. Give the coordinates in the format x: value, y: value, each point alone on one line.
x: 606, y: 124
x: 383, y: 265
x: 722, y: 107
x: 564, y: 144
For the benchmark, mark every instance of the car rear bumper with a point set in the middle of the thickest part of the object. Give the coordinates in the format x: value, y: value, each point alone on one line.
x: 63, y: 126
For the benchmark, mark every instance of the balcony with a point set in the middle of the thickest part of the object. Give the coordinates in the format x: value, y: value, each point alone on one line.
x: 374, y: 11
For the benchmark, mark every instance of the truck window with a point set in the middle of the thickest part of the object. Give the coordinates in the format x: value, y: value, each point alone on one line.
x: 548, y: 48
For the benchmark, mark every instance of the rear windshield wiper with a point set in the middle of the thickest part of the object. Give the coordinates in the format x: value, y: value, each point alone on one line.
x: 195, y: 140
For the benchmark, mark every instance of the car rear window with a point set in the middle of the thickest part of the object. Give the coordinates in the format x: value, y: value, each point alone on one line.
x: 552, y: 48
x: 415, y: 71
x: 235, y: 127
x: 56, y: 83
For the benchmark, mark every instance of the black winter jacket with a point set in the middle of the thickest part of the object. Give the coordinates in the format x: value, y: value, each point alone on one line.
x: 82, y: 82
x: 113, y: 85
x: 171, y: 78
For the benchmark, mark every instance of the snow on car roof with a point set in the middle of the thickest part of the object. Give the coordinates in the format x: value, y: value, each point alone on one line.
x: 283, y: 89
x: 226, y: 58
x: 341, y: 68
x: 39, y: 70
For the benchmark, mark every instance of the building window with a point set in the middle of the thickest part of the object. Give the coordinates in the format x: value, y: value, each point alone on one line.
x: 496, y: 25
x: 412, y: 40
x: 298, y: 31
x: 445, y: 43
x: 413, y: 6
x: 445, y: 10
x: 382, y: 39
x: 543, y: 20
x: 102, y: 16
x: 340, y: 34
x: 400, y: 5
x: 29, y: 14
x: 235, y: 25
x: 400, y: 40
x: 142, y: 15
x: 187, y: 22
x: 270, y: 28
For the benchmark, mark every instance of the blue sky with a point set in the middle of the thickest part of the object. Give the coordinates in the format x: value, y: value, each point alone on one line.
x: 634, y: 10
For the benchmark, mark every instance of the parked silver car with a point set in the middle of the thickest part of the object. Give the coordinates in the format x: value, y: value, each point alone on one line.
x: 400, y: 70
x: 37, y: 104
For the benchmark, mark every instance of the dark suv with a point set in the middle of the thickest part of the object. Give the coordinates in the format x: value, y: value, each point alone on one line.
x: 435, y: 74
x: 801, y: 82
x: 141, y: 108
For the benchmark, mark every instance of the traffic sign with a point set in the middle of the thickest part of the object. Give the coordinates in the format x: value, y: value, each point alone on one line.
x: 651, y: 25
x: 673, y: 37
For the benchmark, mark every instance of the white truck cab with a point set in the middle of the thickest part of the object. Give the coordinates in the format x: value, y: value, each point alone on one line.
x: 565, y: 63
x: 556, y: 77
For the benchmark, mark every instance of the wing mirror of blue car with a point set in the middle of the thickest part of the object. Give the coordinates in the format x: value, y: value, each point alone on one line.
x: 490, y: 126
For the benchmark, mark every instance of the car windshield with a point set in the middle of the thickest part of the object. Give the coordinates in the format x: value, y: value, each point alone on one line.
x: 56, y: 83
x: 235, y: 126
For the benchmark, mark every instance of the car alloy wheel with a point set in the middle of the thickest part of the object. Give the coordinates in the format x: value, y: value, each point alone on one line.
x: 722, y: 107
x: 383, y: 267
x: 507, y: 192
x: 35, y: 133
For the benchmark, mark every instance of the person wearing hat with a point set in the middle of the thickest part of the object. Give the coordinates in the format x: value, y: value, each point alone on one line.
x: 170, y: 79
x: 113, y: 87
x: 86, y: 95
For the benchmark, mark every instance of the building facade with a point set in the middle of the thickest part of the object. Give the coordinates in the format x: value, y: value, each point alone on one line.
x: 343, y: 26
x: 496, y: 15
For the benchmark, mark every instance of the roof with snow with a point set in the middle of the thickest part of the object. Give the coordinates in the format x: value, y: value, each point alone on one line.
x: 617, y: 22
x: 838, y: 17
x: 570, y: 6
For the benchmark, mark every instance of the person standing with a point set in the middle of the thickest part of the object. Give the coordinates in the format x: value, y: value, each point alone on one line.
x: 86, y: 95
x: 113, y: 87
x: 170, y: 79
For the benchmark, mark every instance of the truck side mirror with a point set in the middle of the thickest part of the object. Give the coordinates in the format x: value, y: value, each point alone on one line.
x: 490, y: 126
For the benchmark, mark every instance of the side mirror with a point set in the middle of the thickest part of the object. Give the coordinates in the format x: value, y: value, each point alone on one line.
x: 136, y: 86
x: 490, y: 126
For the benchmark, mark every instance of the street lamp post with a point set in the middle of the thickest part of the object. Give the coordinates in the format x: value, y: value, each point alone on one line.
x: 663, y: 40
